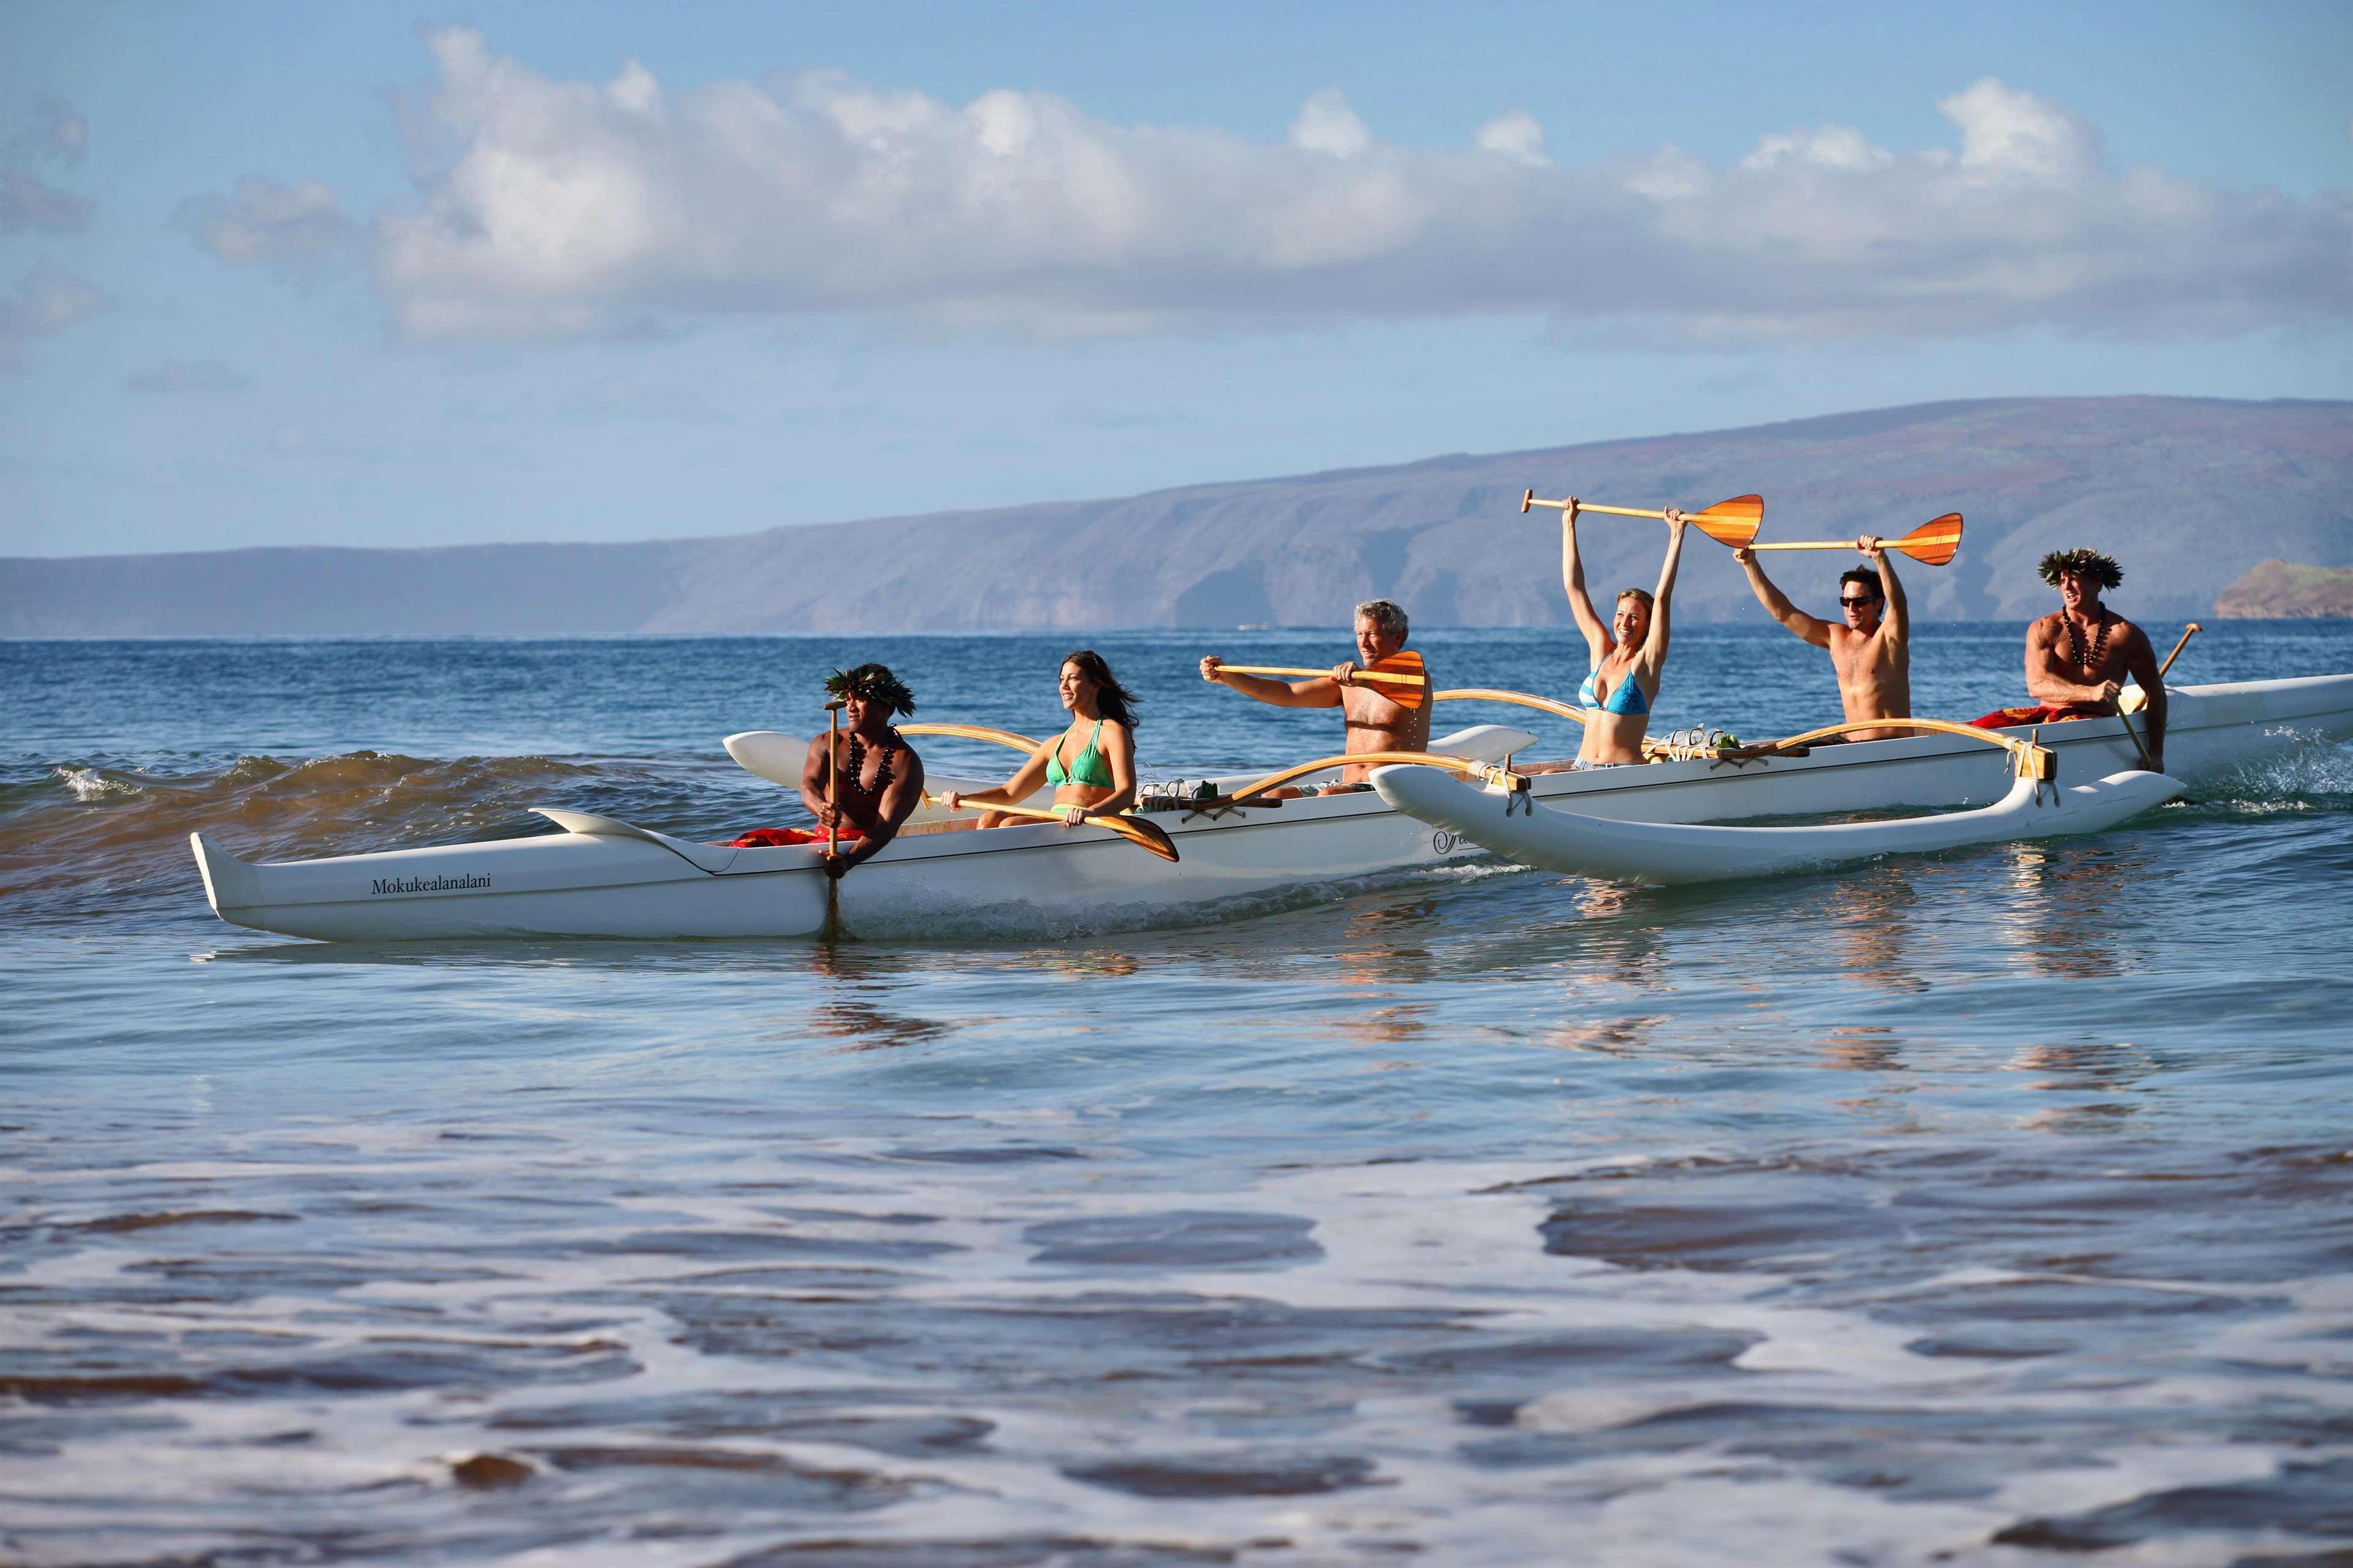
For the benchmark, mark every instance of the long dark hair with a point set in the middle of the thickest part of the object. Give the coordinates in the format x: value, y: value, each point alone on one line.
x: 1117, y: 702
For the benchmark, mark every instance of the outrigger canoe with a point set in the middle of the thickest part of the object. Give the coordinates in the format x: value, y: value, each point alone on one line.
x: 604, y: 877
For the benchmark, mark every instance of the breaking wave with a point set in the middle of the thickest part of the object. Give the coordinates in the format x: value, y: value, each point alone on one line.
x: 79, y: 839
x: 2316, y: 775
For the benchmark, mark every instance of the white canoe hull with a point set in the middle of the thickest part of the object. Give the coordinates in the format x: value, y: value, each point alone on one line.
x: 614, y: 880
x: 1532, y: 834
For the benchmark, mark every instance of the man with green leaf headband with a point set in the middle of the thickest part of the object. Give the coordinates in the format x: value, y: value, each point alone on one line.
x: 880, y: 780
x: 2078, y: 660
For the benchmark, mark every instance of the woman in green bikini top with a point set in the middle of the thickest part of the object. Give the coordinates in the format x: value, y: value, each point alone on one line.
x: 1091, y: 764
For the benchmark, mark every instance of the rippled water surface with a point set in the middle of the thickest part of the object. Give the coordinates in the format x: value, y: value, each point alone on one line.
x: 1994, y: 1207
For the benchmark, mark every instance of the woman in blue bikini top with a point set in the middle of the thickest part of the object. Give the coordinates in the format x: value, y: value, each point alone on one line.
x: 1624, y: 658
x: 1091, y: 764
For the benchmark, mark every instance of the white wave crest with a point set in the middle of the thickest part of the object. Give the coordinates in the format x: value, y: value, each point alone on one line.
x: 89, y: 784
x: 2317, y: 771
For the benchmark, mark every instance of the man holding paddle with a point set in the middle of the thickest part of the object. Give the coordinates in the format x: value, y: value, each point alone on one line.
x: 1870, y: 650
x: 1384, y: 692
x: 862, y: 783
x: 2078, y: 660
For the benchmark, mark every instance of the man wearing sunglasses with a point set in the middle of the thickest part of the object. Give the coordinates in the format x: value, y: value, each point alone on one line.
x: 1870, y: 644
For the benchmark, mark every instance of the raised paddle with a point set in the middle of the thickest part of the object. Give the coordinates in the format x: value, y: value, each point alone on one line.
x: 1400, y: 676
x: 1135, y: 830
x: 2133, y: 699
x: 1733, y: 523
x: 1933, y: 543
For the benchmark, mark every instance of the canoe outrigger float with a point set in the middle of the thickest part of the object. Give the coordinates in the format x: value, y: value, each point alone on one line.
x: 1505, y: 819
x: 604, y: 878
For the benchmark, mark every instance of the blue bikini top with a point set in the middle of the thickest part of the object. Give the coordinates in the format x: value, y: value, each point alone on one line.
x: 1626, y: 697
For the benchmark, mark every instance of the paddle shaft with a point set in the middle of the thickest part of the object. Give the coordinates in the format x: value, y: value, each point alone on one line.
x: 1534, y: 500
x: 1312, y: 674
x: 2133, y: 699
x: 1149, y: 835
x: 832, y: 779
x: 1612, y: 510
x: 2191, y: 631
x: 833, y: 826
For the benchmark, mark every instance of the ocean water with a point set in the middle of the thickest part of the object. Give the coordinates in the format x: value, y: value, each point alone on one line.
x: 1993, y: 1207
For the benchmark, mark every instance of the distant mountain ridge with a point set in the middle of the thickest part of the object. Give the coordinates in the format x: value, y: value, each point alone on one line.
x: 2189, y: 493
x: 2276, y: 589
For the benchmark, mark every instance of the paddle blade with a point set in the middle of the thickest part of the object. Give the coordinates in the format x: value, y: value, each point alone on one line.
x: 1407, y: 662
x: 1932, y: 543
x: 1732, y: 523
x: 1141, y: 834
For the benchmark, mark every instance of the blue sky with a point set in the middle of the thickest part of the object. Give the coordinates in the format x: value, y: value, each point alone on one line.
x: 357, y: 274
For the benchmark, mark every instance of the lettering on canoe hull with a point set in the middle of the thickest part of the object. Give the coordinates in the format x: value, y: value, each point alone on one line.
x: 1445, y: 843
x: 425, y: 884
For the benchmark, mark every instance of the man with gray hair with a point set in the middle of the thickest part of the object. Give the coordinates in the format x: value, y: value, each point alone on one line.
x: 1376, y: 723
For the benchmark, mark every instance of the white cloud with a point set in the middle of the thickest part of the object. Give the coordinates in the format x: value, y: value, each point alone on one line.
x: 189, y: 375
x: 295, y: 227
x: 1829, y: 147
x: 47, y: 299
x: 28, y: 202
x: 56, y: 134
x: 554, y: 208
x: 1515, y: 135
x: 1326, y: 124
x: 57, y: 131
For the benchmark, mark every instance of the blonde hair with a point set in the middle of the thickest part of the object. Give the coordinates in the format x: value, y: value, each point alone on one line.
x: 1640, y: 595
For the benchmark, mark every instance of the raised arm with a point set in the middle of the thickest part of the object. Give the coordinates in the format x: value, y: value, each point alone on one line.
x: 1572, y: 578
x: 1655, y: 646
x: 1777, y: 604
x: 1896, y: 624
x: 1320, y: 692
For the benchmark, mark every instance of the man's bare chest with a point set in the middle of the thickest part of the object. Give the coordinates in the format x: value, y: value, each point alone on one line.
x: 1364, y: 707
x: 1857, y: 657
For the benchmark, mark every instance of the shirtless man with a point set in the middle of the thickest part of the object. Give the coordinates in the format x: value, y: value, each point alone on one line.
x: 881, y: 779
x: 1872, y: 651
x: 2076, y: 660
x: 1375, y: 723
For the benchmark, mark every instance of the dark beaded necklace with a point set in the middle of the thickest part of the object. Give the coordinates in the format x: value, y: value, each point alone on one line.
x: 857, y: 763
x: 2075, y: 641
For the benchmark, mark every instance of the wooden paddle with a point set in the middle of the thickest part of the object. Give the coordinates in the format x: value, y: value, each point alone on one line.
x: 1135, y: 830
x: 2134, y: 699
x: 832, y: 828
x: 1487, y: 694
x: 1932, y: 543
x: 1401, y: 677
x: 972, y: 732
x: 1733, y: 523
x: 1465, y: 767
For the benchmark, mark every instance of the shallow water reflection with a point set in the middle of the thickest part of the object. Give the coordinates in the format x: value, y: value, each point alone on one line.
x: 1987, y: 1208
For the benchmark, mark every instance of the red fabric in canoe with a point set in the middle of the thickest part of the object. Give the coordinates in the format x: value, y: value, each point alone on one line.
x: 771, y: 837
x: 2003, y: 718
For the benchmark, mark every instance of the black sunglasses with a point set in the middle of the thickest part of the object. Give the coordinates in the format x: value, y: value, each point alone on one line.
x: 1863, y: 599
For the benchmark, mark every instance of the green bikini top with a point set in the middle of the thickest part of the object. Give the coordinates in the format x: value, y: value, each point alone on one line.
x: 1089, y: 769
